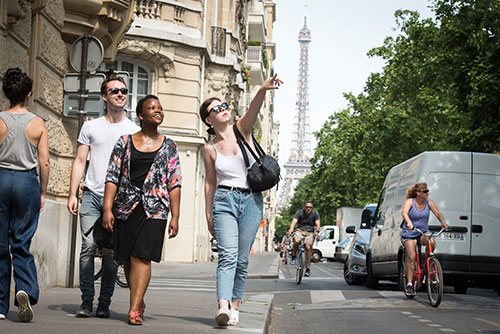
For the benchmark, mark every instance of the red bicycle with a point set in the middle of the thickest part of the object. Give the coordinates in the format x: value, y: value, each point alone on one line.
x: 432, y: 273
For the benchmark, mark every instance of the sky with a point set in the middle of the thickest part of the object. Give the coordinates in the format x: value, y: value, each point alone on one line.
x: 342, y: 31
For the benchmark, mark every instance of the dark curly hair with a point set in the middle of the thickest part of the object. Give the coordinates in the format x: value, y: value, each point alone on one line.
x: 138, y: 109
x: 204, y: 113
x: 16, y: 86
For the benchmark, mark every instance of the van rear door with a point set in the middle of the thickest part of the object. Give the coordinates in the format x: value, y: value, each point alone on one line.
x: 485, y: 247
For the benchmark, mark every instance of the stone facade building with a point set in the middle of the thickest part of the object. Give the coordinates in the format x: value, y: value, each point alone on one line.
x: 183, y: 51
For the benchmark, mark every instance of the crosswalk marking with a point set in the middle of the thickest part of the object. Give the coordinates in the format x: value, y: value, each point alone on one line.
x: 326, y: 296
x: 162, y: 283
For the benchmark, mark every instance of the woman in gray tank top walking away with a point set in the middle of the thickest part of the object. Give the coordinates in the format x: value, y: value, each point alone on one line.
x: 416, y: 212
x: 23, y: 144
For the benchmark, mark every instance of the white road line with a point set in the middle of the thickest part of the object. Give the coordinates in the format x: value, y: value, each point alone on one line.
x: 326, y: 296
x: 434, y: 325
x: 406, y: 312
x: 447, y: 330
x: 415, y: 316
x: 424, y: 320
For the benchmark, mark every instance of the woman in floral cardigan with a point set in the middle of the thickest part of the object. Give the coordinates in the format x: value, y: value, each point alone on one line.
x: 142, y: 185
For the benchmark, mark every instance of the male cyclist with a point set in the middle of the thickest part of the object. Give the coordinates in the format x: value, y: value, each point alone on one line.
x: 308, y: 223
x: 286, y: 242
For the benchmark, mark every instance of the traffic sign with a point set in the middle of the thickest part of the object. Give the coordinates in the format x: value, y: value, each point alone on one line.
x: 93, y: 82
x: 95, y: 54
x: 94, y: 105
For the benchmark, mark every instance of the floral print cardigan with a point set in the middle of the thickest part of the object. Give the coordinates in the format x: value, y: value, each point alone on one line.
x: 164, y: 175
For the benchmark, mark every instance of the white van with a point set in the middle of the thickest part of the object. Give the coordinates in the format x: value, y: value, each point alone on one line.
x: 325, y: 246
x: 466, y: 188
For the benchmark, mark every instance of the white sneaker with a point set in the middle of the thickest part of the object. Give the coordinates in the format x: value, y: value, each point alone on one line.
x: 234, y: 317
x: 2, y: 316
x: 25, y: 312
x: 222, y: 316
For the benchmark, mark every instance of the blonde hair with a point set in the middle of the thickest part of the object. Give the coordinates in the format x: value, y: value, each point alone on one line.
x: 411, y: 192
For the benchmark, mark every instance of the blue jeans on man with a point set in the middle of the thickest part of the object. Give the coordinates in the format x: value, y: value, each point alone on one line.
x: 19, y: 211
x: 236, y: 217
x: 90, y: 210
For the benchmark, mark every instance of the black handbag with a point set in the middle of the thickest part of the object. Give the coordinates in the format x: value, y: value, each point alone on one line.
x: 265, y: 172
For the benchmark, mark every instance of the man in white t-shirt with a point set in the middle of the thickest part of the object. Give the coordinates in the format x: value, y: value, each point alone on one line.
x: 97, y: 139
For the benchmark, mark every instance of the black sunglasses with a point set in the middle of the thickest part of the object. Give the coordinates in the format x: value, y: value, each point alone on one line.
x: 115, y: 91
x: 309, y: 207
x: 425, y: 191
x: 218, y: 108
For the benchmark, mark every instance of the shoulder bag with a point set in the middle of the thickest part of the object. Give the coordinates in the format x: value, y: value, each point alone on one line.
x: 265, y: 172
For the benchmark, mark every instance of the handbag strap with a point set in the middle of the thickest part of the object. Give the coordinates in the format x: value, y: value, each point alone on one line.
x: 241, y: 141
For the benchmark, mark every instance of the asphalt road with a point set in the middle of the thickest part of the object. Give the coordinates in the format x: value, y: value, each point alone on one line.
x: 324, y: 303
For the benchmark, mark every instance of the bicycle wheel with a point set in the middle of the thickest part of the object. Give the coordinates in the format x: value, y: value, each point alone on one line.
x: 285, y: 257
x: 121, y: 280
x: 300, y: 267
x: 434, y: 282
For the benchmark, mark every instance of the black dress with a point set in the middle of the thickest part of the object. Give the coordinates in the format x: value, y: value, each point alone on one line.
x: 138, y: 236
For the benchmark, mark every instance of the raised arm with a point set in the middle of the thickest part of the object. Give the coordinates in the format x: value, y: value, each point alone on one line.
x: 247, y: 121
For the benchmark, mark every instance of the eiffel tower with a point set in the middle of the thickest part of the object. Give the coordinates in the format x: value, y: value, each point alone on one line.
x: 298, y: 164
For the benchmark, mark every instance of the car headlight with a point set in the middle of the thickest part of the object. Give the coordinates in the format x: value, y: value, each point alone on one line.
x: 359, y: 249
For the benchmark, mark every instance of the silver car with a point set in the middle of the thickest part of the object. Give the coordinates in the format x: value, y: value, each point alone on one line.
x: 355, y: 264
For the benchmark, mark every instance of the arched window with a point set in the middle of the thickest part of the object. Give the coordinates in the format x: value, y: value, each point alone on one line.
x: 139, y: 85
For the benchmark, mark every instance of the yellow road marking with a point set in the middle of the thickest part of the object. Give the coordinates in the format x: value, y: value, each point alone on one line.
x: 488, y: 322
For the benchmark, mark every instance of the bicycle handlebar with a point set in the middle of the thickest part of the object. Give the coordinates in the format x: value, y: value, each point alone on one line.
x: 431, y: 233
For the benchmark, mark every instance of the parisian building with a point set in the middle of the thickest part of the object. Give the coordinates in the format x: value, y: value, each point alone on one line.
x: 183, y: 51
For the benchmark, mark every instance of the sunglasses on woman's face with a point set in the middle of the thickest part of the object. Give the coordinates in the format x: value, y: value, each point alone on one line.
x: 426, y: 191
x: 115, y: 91
x: 219, y: 108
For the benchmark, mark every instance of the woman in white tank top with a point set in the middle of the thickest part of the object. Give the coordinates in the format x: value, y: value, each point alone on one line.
x: 233, y: 211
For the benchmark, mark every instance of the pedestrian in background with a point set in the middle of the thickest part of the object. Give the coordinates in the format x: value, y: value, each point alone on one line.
x: 144, y: 182
x: 23, y: 145
x: 97, y: 138
x: 233, y: 211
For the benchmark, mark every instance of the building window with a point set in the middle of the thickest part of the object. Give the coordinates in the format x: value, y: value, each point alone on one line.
x: 179, y: 14
x: 139, y: 85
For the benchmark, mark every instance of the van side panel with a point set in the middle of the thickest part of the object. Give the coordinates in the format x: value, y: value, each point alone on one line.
x: 485, y: 246
x: 448, y: 175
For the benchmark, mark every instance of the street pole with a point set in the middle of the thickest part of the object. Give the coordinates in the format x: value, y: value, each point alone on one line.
x: 82, y: 94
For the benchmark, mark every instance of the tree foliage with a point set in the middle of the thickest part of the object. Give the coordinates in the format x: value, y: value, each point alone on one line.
x: 439, y: 90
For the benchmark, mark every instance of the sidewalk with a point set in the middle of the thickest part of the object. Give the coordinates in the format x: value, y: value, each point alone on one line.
x: 172, y: 310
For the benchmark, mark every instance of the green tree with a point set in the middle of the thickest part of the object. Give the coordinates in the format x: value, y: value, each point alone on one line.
x: 439, y: 90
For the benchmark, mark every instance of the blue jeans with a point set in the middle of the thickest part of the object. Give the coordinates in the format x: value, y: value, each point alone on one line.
x: 19, y: 211
x: 236, y: 217
x: 90, y: 210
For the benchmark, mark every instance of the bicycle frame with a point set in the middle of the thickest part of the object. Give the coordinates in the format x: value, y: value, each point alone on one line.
x: 431, y: 268
x: 301, y: 258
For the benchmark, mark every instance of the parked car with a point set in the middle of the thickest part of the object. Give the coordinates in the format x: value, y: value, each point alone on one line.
x: 355, y: 263
x: 466, y: 188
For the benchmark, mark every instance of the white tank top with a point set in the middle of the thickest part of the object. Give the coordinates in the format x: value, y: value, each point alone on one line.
x: 231, y: 170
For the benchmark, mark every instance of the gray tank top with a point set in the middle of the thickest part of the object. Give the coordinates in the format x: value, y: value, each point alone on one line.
x: 16, y: 150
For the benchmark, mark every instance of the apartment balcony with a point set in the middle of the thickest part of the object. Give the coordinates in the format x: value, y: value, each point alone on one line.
x: 256, y: 60
x: 257, y: 21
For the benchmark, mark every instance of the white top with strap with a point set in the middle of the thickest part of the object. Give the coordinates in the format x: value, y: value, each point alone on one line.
x: 231, y: 170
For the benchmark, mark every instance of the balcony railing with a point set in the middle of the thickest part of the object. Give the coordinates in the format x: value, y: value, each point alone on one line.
x: 219, y: 41
x: 148, y: 9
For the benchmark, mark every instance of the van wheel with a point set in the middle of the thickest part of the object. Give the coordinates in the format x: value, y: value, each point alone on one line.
x: 460, y: 286
x: 371, y: 280
x: 316, y: 256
